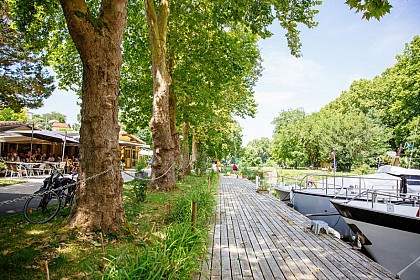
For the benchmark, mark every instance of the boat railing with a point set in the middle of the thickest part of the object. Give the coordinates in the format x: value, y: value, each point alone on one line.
x: 290, y: 180
x: 344, y: 184
x: 386, y: 196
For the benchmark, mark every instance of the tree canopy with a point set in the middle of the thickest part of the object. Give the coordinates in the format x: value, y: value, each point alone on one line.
x: 24, y: 81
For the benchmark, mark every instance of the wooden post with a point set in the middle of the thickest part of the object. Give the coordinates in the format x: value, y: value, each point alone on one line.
x: 209, y: 181
x: 103, y: 247
x: 47, y: 270
x: 194, y: 213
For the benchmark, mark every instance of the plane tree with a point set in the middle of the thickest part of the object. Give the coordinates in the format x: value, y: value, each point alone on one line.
x: 254, y: 15
x: 96, y: 30
x: 212, y: 71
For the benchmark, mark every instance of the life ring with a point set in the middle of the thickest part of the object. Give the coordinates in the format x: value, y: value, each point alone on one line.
x: 418, y: 213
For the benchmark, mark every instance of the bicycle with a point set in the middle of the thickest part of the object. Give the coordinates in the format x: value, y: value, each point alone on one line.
x: 56, y: 192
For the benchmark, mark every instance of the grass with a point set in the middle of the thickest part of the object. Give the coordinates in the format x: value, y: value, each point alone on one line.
x: 8, y: 182
x: 160, y: 243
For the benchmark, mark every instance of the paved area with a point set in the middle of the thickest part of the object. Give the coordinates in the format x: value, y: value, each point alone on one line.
x: 27, y: 188
x: 256, y: 236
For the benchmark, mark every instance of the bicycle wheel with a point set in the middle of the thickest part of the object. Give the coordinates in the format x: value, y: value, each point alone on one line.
x: 42, y: 208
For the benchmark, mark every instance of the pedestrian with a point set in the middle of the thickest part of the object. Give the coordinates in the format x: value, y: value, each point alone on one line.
x: 234, y: 167
x: 219, y: 166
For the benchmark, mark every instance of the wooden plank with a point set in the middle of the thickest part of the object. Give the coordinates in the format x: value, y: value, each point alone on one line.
x: 341, y: 271
x: 318, y: 268
x: 258, y: 237
x: 216, y: 268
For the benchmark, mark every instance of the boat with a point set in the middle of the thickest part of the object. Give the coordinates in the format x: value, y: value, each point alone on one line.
x: 388, y: 227
x: 412, y: 176
x: 284, y: 188
x: 312, y: 197
x: 283, y: 191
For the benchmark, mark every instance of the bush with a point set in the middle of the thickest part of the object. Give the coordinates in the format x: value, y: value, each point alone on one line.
x: 142, y: 163
x: 200, y: 165
x: 364, y: 169
x: 249, y: 173
x: 139, y: 188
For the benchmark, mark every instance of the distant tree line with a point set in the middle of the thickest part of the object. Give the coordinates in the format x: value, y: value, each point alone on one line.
x: 371, y: 118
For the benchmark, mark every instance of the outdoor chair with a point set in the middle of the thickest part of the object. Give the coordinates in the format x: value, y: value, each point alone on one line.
x: 62, y: 166
x: 29, y: 170
x: 40, y: 170
x: 48, y: 169
x: 12, y: 169
x: 22, y: 170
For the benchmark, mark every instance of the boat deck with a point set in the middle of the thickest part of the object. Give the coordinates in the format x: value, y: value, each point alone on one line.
x: 256, y: 236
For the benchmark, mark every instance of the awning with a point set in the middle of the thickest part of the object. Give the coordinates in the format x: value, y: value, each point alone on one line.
x: 146, y: 153
x: 17, y: 138
x: 12, y: 126
x: 132, y: 144
x: 47, y: 136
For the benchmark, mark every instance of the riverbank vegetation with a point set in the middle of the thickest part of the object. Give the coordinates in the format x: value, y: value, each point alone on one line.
x: 158, y: 242
x: 359, y: 128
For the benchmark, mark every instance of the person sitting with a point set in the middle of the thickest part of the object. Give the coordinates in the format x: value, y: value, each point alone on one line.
x: 13, y: 157
x: 43, y: 157
x: 27, y: 157
x: 311, y: 182
x: 75, y: 163
x: 51, y: 158
x: 38, y: 157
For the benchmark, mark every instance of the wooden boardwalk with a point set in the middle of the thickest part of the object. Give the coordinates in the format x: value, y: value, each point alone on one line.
x: 256, y: 236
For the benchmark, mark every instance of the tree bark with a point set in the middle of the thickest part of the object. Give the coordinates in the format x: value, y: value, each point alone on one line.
x: 172, y: 116
x: 174, y: 131
x: 98, y: 41
x: 194, y: 149
x: 163, y: 169
x: 186, y: 149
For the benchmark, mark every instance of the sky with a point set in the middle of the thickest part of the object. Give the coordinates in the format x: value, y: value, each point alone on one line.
x: 341, y: 49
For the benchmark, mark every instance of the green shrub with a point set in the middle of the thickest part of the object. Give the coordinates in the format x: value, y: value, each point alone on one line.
x: 172, y: 257
x: 364, y: 169
x: 139, y: 189
x: 142, y: 163
x: 201, y: 164
x: 251, y: 174
x: 182, y: 208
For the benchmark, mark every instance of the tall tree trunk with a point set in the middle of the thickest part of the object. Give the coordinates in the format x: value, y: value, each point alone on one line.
x: 184, y: 158
x: 98, y: 41
x: 174, y: 130
x: 194, y: 150
x: 172, y: 116
x: 186, y: 149
x: 163, y: 171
